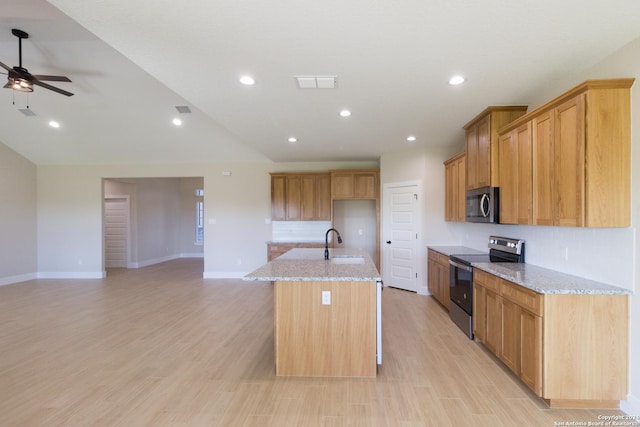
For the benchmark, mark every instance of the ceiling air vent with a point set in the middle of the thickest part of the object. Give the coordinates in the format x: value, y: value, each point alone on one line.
x: 183, y: 109
x: 316, y: 82
x: 27, y: 112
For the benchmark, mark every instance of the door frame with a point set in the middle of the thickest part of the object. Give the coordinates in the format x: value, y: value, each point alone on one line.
x: 127, y: 234
x: 386, y: 214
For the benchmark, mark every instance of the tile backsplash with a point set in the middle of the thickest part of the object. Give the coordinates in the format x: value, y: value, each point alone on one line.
x: 300, y: 231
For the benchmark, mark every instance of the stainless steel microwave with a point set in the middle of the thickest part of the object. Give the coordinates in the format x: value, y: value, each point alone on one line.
x: 482, y: 205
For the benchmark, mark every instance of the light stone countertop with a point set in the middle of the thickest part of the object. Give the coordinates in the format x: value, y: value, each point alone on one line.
x: 457, y: 250
x: 308, y: 264
x: 545, y: 281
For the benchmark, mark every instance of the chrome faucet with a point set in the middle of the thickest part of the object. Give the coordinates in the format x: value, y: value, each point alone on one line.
x: 326, y: 241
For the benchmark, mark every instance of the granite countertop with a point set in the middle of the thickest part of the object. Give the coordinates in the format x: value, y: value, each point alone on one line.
x: 545, y: 281
x: 308, y: 264
x: 457, y: 250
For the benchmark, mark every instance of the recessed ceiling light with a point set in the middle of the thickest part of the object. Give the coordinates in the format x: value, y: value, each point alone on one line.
x: 411, y: 138
x: 247, y: 80
x: 177, y: 122
x: 54, y: 124
x: 345, y: 113
x: 456, y: 80
x: 292, y: 139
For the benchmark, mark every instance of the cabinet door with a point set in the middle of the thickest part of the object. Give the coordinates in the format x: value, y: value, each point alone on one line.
x: 449, y: 192
x: 510, y: 346
x: 278, y: 198
x: 444, y: 283
x: 483, y: 166
x: 544, y: 194
x: 461, y: 201
x: 531, y: 351
x: 472, y: 157
x: 569, y: 163
x: 508, y: 178
x: 308, y: 197
x: 323, y: 197
x: 433, y: 275
x: 342, y: 185
x: 525, y: 175
x: 293, y: 197
x: 364, y: 186
x: 493, y: 324
x: 479, y: 312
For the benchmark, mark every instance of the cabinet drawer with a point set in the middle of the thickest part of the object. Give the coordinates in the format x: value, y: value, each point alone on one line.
x: 525, y: 298
x: 486, y: 280
x: 433, y: 255
x: 443, y: 259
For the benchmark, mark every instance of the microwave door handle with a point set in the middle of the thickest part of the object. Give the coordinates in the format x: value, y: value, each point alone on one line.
x: 485, y: 201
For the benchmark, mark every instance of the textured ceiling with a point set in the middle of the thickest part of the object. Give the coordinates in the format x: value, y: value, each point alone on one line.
x: 131, y: 62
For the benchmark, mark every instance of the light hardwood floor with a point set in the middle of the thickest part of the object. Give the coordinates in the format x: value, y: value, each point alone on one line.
x: 160, y: 346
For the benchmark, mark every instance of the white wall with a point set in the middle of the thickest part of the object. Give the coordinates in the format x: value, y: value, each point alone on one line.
x: 18, y: 251
x: 606, y: 255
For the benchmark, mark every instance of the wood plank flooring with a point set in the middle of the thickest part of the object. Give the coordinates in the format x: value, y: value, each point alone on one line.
x: 160, y: 346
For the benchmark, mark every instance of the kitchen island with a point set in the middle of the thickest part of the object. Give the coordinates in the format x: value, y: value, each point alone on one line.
x: 327, y: 313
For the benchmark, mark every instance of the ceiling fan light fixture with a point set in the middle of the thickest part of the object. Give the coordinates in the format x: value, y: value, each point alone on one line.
x: 21, y: 85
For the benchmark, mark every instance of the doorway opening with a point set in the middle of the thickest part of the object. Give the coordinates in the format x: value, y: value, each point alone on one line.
x: 147, y: 221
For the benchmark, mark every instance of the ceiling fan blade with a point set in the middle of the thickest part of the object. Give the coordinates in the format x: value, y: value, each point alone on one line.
x: 53, y: 88
x: 6, y: 67
x: 51, y: 78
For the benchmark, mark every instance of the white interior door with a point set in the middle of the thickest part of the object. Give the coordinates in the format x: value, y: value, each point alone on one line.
x: 116, y: 232
x: 400, y: 242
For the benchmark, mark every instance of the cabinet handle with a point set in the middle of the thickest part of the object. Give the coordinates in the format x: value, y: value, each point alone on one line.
x: 388, y: 242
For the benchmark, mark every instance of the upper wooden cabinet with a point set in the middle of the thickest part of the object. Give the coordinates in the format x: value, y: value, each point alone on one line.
x: 516, y: 197
x: 454, y: 188
x: 581, y: 151
x: 300, y: 197
x: 482, y: 144
x: 354, y: 184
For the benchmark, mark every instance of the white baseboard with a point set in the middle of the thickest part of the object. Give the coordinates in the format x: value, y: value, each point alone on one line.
x: 72, y: 275
x: 224, y: 274
x: 153, y: 261
x: 631, y: 406
x: 9, y: 280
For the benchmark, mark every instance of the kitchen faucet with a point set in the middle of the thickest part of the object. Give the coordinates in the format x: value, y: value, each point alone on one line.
x: 326, y: 241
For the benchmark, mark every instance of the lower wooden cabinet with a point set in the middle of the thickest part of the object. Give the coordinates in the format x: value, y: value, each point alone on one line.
x: 438, y: 277
x: 570, y: 349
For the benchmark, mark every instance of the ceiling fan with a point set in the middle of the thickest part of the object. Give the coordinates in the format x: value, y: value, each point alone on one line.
x: 22, y: 80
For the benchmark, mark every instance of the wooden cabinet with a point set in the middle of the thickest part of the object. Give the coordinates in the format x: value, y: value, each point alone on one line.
x: 516, y: 198
x: 481, y: 136
x: 274, y: 250
x: 300, y: 197
x: 438, y: 277
x: 559, y: 345
x: 580, y: 156
x: 354, y: 184
x: 455, y: 187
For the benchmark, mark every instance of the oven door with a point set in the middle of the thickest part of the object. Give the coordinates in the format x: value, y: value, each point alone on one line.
x: 460, y: 285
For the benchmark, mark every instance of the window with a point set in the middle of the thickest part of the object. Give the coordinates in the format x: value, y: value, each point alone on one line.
x: 199, y: 218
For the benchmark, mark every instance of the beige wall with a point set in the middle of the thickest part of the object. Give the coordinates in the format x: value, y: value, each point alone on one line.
x: 18, y: 251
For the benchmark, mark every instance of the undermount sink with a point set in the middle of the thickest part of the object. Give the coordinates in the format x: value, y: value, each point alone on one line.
x: 347, y: 260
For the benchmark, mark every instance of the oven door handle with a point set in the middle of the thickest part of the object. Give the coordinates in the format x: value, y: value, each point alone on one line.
x: 461, y: 266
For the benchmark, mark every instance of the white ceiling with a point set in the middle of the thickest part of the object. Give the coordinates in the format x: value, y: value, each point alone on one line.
x: 132, y: 61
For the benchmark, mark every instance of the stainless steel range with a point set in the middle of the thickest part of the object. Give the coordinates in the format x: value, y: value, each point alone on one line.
x: 501, y: 249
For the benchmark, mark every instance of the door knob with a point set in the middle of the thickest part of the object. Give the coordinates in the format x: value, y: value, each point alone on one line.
x: 388, y: 242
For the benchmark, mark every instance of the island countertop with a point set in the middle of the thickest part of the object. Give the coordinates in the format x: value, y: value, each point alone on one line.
x: 308, y: 264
